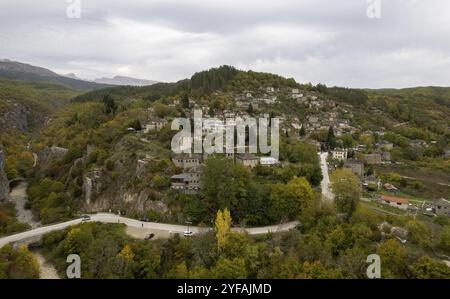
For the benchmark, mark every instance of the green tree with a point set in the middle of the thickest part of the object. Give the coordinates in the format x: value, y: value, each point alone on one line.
x: 331, y: 139
x: 185, y: 100
x: 289, y: 199
x: 250, y: 109
x: 224, y: 183
x: 315, y: 270
x: 428, y: 268
x: 136, y: 124
x: 110, y: 104
x: 24, y: 265
x: 347, y: 141
x: 230, y: 269
x: 393, y: 257
x: 346, y: 189
x: 196, y: 209
x: 338, y: 240
x: 444, y: 239
x: 302, y: 131
x: 418, y: 233
x: 148, y: 260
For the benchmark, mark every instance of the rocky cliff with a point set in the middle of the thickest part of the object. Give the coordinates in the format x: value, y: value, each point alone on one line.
x: 14, y: 116
x: 4, y: 183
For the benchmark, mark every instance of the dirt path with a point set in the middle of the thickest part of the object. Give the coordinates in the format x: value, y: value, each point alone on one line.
x: 19, y: 197
x: 47, y: 270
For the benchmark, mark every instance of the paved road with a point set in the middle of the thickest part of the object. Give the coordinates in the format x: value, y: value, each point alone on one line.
x: 325, y: 184
x: 111, y: 218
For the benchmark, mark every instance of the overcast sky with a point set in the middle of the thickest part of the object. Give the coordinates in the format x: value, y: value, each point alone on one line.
x: 333, y: 41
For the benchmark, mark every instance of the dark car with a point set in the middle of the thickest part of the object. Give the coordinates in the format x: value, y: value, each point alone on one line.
x: 149, y: 236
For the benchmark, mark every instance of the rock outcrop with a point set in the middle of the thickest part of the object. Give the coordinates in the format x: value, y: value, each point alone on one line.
x: 49, y: 154
x: 4, y: 183
x: 15, y: 117
x: 92, y: 185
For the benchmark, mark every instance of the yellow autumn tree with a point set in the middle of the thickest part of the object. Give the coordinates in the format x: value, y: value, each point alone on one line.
x: 26, y: 264
x: 127, y: 253
x: 223, y: 227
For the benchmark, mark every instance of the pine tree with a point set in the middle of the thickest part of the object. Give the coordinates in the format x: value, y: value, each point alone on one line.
x: 250, y: 109
x: 110, y: 104
x: 185, y: 100
x: 302, y: 131
x: 331, y: 139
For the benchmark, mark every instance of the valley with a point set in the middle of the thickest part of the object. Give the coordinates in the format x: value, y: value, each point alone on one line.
x: 325, y: 201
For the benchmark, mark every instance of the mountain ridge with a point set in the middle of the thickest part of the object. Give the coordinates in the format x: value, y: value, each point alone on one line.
x: 13, y: 70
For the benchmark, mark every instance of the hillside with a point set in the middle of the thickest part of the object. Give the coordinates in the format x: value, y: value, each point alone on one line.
x: 110, y: 150
x: 441, y: 95
x: 25, y: 105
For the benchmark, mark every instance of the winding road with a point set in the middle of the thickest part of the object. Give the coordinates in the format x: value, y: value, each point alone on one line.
x: 325, y: 184
x: 112, y: 218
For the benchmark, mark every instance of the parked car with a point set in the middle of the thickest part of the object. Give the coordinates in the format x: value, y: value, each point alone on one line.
x: 145, y: 219
x: 149, y: 236
x: 188, y: 233
x: 85, y: 218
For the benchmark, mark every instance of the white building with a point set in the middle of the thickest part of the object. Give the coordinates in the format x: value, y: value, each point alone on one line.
x: 339, y: 154
x: 268, y: 161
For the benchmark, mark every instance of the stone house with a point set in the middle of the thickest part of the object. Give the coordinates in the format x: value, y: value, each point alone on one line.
x: 356, y: 166
x: 155, y: 125
x: 371, y: 159
x: 248, y: 160
x: 386, y: 156
x: 187, y: 160
x: 441, y: 206
x: 187, y: 182
x: 372, y: 181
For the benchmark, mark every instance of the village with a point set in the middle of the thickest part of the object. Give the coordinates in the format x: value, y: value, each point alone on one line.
x: 322, y: 115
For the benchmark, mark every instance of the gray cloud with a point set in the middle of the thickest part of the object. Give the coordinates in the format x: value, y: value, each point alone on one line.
x: 333, y: 42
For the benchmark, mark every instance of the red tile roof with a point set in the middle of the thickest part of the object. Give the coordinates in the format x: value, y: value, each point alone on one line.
x: 395, y: 199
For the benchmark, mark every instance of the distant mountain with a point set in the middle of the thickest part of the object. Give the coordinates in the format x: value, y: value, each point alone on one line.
x: 13, y: 70
x: 73, y: 76
x: 121, y: 80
